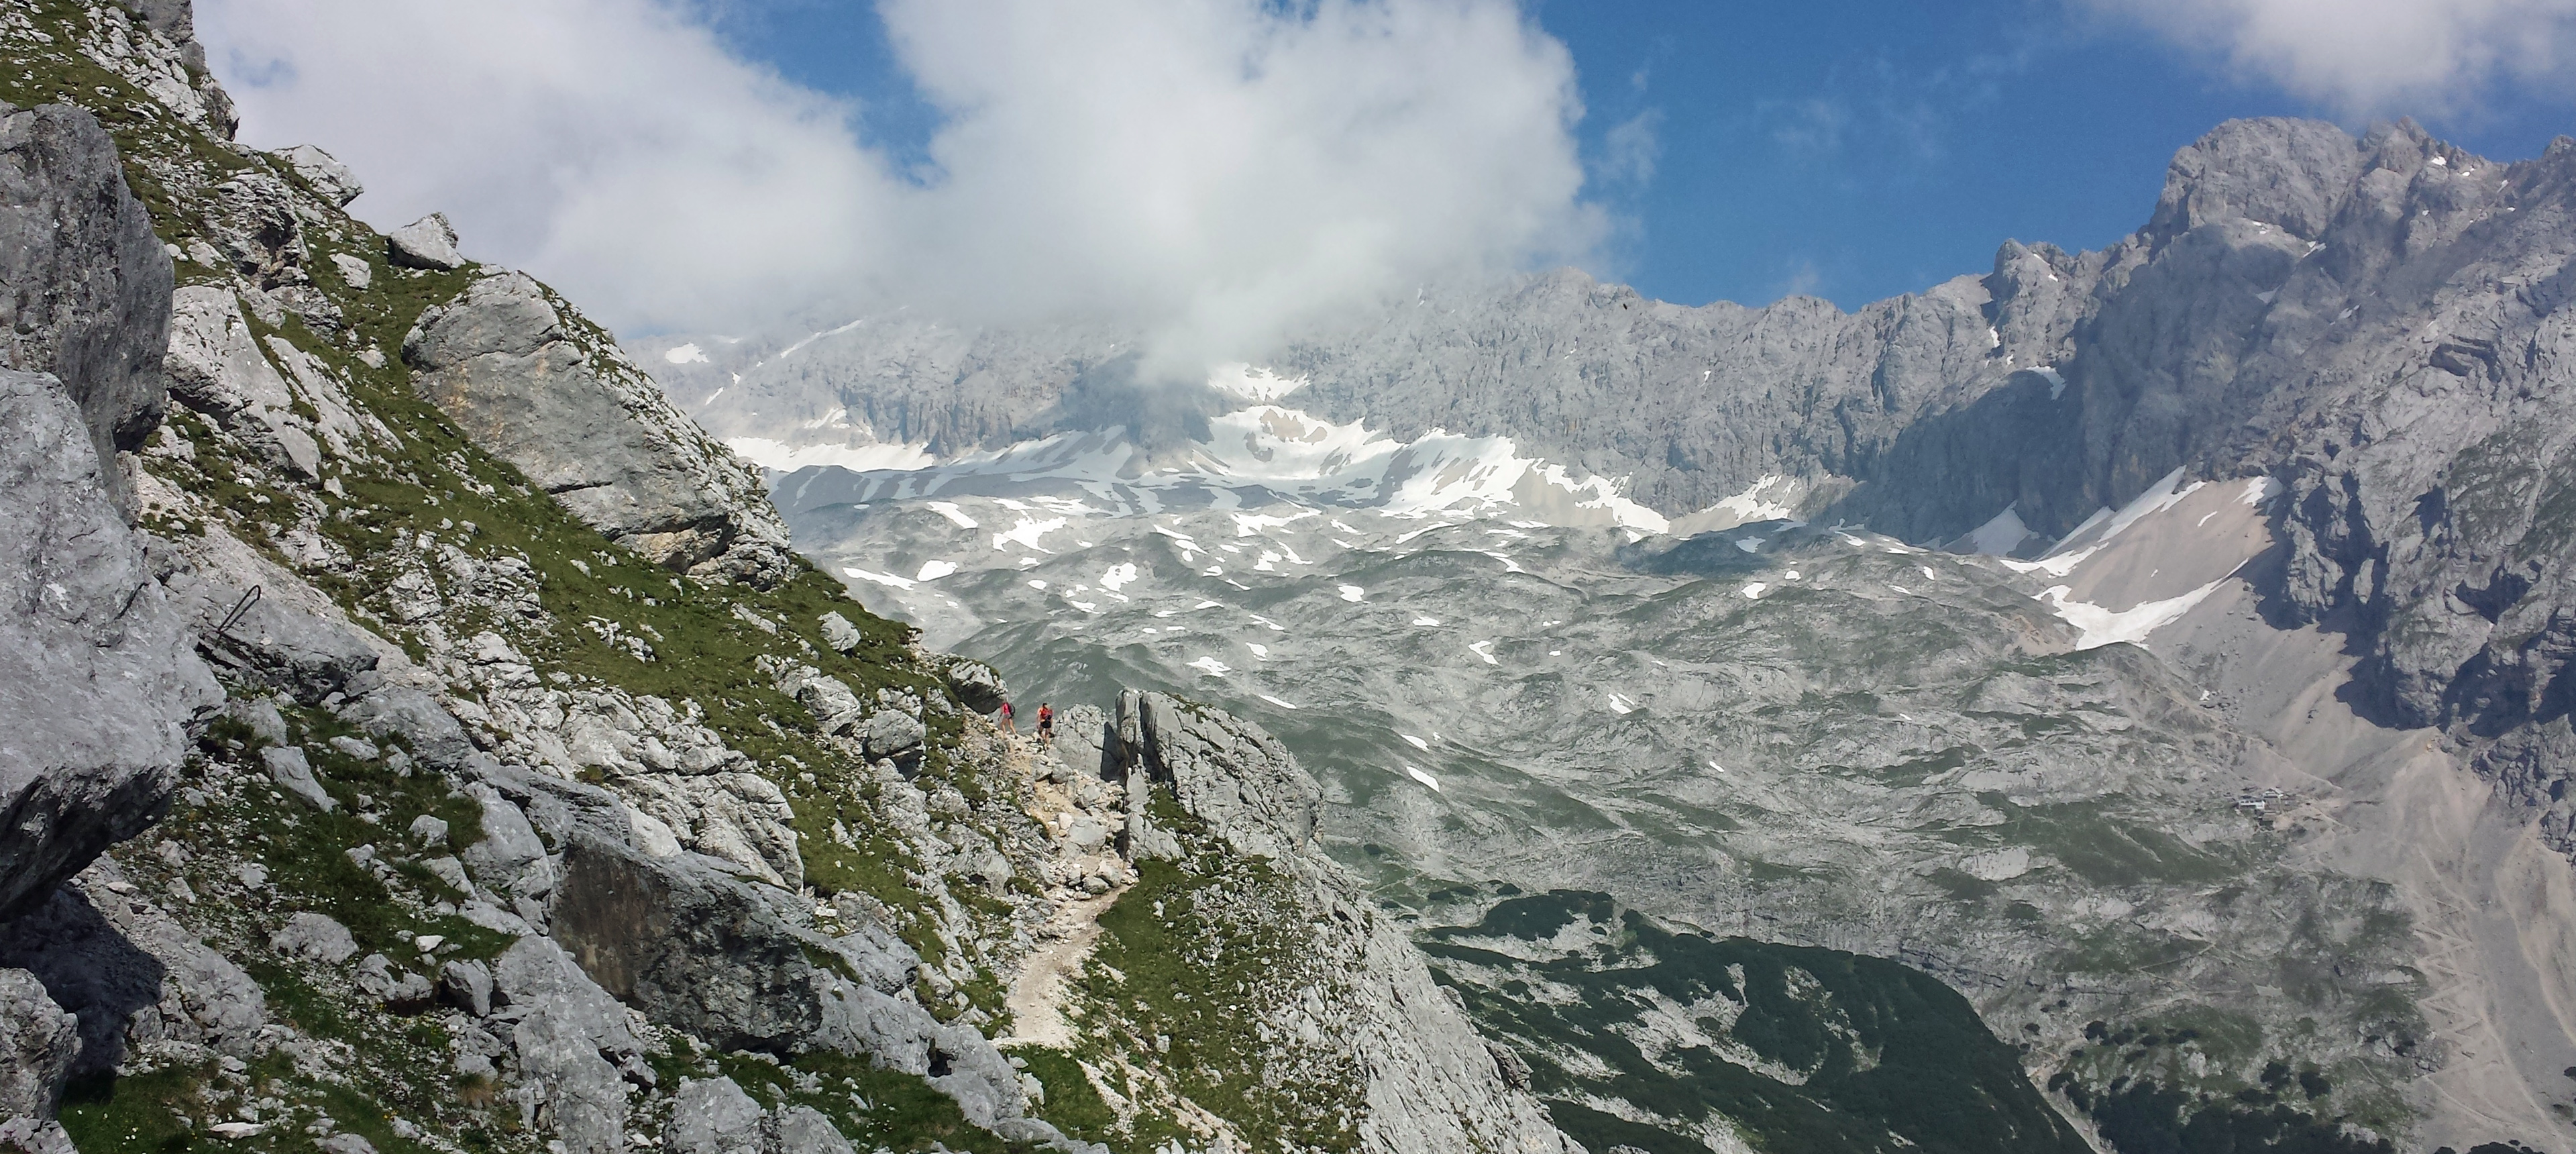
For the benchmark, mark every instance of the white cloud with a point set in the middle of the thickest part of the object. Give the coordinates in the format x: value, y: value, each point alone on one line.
x: 2375, y: 56
x: 1631, y: 148
x: 1210, y: 169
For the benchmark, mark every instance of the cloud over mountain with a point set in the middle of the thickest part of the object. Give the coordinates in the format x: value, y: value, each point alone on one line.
x: 2368, y: 57
x: 1208, y: 171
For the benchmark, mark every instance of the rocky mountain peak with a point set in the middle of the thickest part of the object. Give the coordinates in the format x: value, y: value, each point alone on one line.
x: 2293, y: 174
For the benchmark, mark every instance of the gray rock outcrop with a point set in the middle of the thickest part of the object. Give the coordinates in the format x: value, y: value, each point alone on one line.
x: 97, y: 673
x: 329, y: 178
x: 1228, y: 773
x: 571, y: 1042
x: 738, y: 963
x: 554, y: 397
x: 38, y: 1041
x: 429, y: 242
x: 715, y: 1116
x: 315, y: 936
x: 712, y: 1116
x: 88, y: 285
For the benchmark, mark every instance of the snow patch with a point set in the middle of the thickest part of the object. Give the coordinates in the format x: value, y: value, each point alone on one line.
x: 1484, y: 649
x: 1274, y: 701
x: 1118, y: 576
x: 1424, y: 778
x: 688, y: 354
x: 1415, y: 742
x: 1026, y: 533
x: 2001, y: 535
x: 1252, y: 382
x: 2098, y: 626
x: 934, y: 570
x: 1212, y: 667
x: 950, y: 510
x: 781, y: 457
x: 886, y: 579
x: 1353, y: 593
x: 1754, y: 591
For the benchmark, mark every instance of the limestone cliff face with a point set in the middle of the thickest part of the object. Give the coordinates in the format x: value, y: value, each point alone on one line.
x: 96, y: 674
x: 89, y: 286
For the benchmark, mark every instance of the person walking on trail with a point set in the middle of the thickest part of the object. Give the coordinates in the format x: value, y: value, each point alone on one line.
x: 1007, y: 727
x: 1046, y: 723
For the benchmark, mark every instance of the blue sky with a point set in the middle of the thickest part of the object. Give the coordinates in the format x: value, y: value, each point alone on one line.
x: 1853, y: 149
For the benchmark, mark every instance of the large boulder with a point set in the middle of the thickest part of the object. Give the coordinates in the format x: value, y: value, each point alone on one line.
x: 98, y: 674
x: 84, y: 283
x: 325, y: 173
x: 429, y: 242
x: 551, y: 394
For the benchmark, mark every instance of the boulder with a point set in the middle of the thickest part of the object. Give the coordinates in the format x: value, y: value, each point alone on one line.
x: 315, y: 936
x: 548, y: 392
x: 429, y: 243
x: 328, y: 177
x: 288, y: 767
x: 398, y: 988
x: 510, y: 857
x: 834, y: 707
x: 892, y: 733
x: 467, y: 985
x: 838, y: 633
x: 804, y: 1130
x: 38, y: 1041
x: 977, y: 685
x: 712, y: 1116
x: 416, y: 717
x: 97, y: 677
x: 87, y: 282
x: 739, y: 964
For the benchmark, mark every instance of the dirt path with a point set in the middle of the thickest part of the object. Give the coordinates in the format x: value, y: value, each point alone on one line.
x: 1037, y: 996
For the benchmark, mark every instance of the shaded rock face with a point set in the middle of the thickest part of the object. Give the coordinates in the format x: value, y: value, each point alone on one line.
x: 554, y: 398
x: 88, y: 285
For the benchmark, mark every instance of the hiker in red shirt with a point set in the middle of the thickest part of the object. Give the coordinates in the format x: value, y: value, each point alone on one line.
x: 1046, y: 723
x: 1006, y: 718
